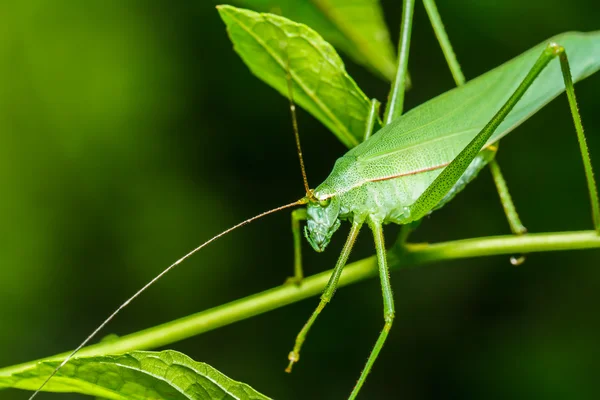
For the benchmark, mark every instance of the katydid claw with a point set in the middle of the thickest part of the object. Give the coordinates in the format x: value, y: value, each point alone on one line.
x: 294, y: 357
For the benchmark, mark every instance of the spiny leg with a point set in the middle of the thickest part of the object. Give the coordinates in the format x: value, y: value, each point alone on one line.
x: 388, y: 304
x: 583, y: 148
x: 452, y: 173
x: 298, y: 215
x: 328, y: 293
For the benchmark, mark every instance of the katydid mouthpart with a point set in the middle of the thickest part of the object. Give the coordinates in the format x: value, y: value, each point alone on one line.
x: 419, y: 161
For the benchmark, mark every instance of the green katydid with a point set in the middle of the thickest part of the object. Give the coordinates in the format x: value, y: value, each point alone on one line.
x: 408, y: 169
x: 420, y: 160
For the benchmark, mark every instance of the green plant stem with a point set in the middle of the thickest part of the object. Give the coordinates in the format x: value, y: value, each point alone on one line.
x: 411, y: 254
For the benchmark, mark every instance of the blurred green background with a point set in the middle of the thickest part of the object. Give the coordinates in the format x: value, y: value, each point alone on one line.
x: 130, y: 132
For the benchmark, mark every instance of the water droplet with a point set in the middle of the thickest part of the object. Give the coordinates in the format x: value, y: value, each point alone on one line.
x: 517, y: 260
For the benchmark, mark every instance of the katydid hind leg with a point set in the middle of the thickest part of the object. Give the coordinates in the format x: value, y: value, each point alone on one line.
x: 452, y: 173
x: 459, y: 78
x: 388, y: 304
x: 298, y: 215
x: 583, y: 148
x: 328, y: 292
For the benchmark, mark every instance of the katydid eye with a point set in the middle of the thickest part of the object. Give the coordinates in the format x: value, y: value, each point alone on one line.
x: 325, y: 203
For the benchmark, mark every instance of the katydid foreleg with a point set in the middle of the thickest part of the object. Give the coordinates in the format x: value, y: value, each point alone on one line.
x: 298, y: 215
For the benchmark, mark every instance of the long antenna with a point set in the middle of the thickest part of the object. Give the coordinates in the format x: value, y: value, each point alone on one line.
x: 156, y: 278
x: 290, y: 86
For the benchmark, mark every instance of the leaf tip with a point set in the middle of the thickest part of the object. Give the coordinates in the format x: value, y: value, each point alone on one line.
x: 222, y: 8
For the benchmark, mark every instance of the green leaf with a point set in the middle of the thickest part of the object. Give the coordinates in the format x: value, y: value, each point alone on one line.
x: 269, y: 44
x: 356, y: 27
x: 139, y: 375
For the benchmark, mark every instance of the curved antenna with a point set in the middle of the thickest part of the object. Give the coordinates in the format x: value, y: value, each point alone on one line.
x: 290, y: 86
x: 156, y: 278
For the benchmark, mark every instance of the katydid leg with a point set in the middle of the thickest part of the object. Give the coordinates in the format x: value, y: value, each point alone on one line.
x: 405, y: 231
x: 516, y: 226
x: 328, y: 293
x: 452, y: 173
x: 442, y: 37
x: 440, y: 32
x: 459, y: 78
x: 298, y: 215
x: 395, y: 104
x: 388, y: 304
x: 583, y: 148
x: 373, y: 113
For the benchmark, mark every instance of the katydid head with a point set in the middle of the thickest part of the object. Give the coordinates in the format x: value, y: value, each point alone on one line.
x: 322, y: 219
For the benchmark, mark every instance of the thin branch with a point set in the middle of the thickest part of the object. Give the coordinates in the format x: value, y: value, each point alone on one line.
x: 412, y: 254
